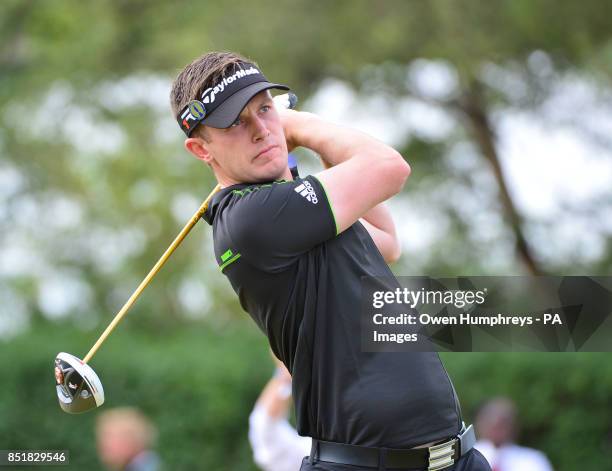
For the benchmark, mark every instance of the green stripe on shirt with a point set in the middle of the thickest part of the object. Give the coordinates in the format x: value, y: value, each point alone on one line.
x: 330, y: 204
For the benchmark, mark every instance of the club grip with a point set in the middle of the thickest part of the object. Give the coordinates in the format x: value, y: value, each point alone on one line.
x: 286, y: 100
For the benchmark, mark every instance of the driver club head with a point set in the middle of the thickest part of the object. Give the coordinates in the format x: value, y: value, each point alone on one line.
x: 77, y: 385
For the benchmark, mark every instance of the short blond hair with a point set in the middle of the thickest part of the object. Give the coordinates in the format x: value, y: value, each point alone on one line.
x: 204, y: 72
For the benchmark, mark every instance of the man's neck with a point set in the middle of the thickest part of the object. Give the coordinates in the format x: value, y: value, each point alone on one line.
x: 225, y: 181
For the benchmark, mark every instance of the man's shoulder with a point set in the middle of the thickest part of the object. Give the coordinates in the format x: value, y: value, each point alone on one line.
x: 256, y: 203
x: 245, y: 189
x: 240, y: 216
x: 246, y: 196
x: 271, y: 224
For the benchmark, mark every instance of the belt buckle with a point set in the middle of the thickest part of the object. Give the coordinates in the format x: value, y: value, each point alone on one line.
x: 442, y: 456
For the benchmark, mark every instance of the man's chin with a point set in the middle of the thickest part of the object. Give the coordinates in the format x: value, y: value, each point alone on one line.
x: 272, y: 175
x: 275, y: 169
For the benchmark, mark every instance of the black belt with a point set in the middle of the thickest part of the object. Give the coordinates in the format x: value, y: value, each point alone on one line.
x: 434, y: 458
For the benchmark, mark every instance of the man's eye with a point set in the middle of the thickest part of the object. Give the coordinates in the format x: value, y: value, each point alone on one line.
x: 236, y: 123
x: 265, y: 108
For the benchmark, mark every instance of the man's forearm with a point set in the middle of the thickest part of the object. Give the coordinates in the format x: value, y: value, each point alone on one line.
x: 333, y: 143
x: 379, y: 224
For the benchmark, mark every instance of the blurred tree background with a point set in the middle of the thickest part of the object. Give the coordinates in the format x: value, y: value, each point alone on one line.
x: 502, y: 108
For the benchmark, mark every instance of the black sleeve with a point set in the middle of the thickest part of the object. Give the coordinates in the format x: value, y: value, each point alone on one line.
x: 273, y: 224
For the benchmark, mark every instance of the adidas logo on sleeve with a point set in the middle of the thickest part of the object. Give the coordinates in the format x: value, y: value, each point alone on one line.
x: 307, y: 191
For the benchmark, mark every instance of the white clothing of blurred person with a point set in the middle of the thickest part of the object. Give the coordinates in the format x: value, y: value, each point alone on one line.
x: 276, y: 444
x: 496, y: 427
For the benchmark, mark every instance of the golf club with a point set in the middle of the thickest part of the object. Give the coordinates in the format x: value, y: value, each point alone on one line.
x: 78, y: 387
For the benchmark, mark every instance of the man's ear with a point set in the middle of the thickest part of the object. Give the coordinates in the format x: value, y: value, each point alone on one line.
x: 197, y: 147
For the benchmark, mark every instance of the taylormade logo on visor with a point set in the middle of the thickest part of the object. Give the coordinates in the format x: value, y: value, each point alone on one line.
x: 208, y: 96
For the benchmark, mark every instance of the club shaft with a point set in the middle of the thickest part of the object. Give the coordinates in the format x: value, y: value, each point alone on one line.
x: 177, y: 241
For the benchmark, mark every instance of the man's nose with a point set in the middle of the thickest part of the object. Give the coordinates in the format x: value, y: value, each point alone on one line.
x: 260, y: 130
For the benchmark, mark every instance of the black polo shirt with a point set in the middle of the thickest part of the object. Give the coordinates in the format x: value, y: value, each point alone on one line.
x: 299, y: 280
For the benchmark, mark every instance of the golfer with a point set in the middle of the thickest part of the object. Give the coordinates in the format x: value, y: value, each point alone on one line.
x: 295, y: 250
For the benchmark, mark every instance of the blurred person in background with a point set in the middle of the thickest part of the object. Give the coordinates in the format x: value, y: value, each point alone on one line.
x: 125, y: 438
x: 276, y: 444
x: 497, y: 429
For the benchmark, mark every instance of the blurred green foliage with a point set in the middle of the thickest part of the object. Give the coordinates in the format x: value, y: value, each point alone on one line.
x: 563, y: 400
x: 83, y: 89
x: 198, y: 384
